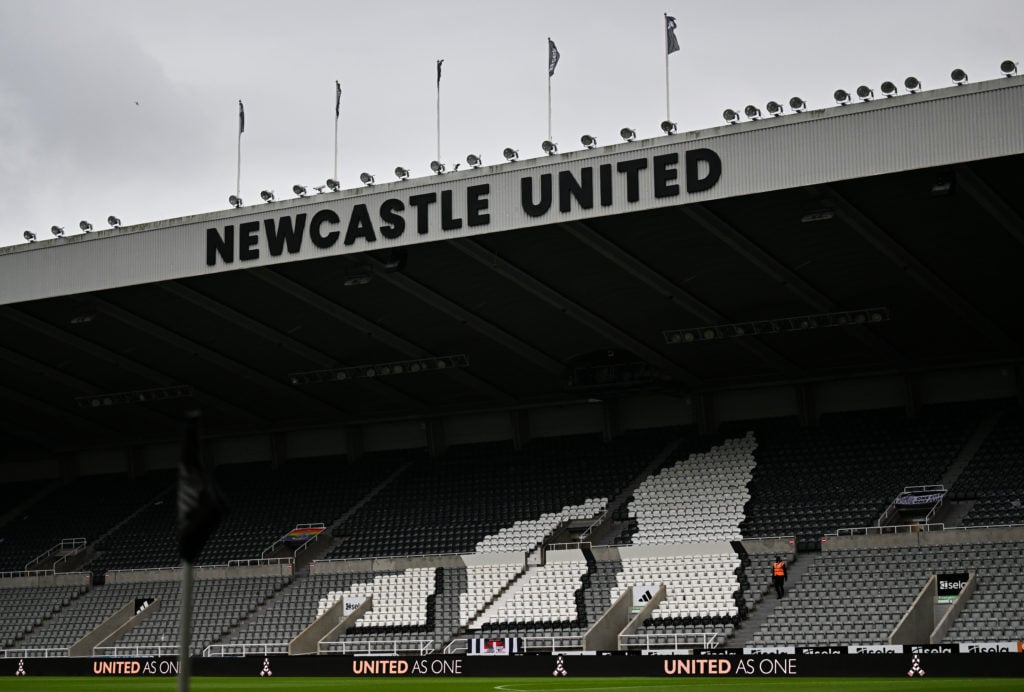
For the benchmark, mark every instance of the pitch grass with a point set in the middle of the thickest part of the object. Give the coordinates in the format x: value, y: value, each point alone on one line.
x: 84, y: 684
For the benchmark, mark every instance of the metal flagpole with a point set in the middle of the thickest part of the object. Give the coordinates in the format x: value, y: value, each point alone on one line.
x: 668, y: 107
x: 241, y: 129
x: 337, y: 115
x: 185, y: 627
x: 438, y: 159
x: 550, y: 139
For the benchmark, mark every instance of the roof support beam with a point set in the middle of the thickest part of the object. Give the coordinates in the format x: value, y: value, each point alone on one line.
x: 279, y: 388
x: 985, y: 197
x: 126, y: 364
x: 916, y: 270
x: 270, y: 335
x: 678, y: 295
x: 793, y: 282
x: 473, y: 321
x: 360, y: 323
x: 572, y: 310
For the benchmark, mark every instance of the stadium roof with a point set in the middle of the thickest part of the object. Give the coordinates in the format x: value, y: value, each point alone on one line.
x: 895, y: 223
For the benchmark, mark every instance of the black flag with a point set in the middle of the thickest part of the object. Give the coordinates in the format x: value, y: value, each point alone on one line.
x: 439, y: 71
x: 553, y: 56
x: 672, y: 44
x: 241, y: 117
x: 199, y: 503
x: 337, y: 99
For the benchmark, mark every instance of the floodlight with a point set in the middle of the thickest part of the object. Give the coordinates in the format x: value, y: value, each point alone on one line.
x: 437, y: 167
x: 510, y: 154
x: 366, y: 178
x: 668, y: 127
x: 268, y: 195
x: 865, y: 93
x: 797, y: 104
x: 402, y: 173
x: 333, y: 184
x: 628, y: 134
x: 1008, y: 67
x: 233, y: 200
x: 588, y: 141
x: 85, y: 226
x: 842, y: 96
x: 752, y: 112
x: 57, y: 231
x: 474, y: 160
x: 730, y: 116
x: 958, y: 76
x: 116, y: 222
x: 774, y: 108
x: 889, y: 89
x: 549, y: 147
x: 912, y: 83
x: 299, y: 190
x: 29, y: 236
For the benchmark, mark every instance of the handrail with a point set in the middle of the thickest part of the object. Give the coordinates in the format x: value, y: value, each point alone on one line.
x: 883, y: 530
x: 73, y: 544
x: 257, y: 561
x: 568, y: 546
x: 57, y: 652
x: 385, y: 646
x: 384, y: 557
x: 540, y: 643
x: 138, y: 651
x: 708, y: 640
x: 27, y: 573
x: 244, y: 649
x: 457, y: 646
x: 241, y: 562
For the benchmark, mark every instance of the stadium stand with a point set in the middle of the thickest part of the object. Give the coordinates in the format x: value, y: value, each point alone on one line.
x: 997, y: 492
x: 27, y: 608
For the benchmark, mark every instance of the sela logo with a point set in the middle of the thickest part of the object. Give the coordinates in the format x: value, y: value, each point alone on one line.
x: 931, y: 649
x: 822, y: 651
x: 876, y: 649
x: 952, y: 585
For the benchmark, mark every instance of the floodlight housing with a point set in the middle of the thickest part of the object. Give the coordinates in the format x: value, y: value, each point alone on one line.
x: 510, y: 154
x: 401, y: 173
x: 268, y: 195
x: 437, y: 167
x: 958, y: 76
x: 774, y: 108
x: 57, y: 231
x: 798, y: 104
x: 842, y: 96
x: 366, y: 178
x: 628, y: 134
x: 116, y: 222
x: 730, y: 116
x: 752, y: 112
x: 299, y: 190
x: 1008, y: 67
x: 668, y: 127
x: 85, y: 226
x: 474, y: 160
x: 865, y: 93
x: 549, y: 147
x: 29, y: 236
x: 889, y: 89
x: 589, y: 141
x: 233, y: 200
x: 912, y: 84
x: 333, y: 184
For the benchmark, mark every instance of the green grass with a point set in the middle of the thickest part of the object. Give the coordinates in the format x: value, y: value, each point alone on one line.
x: 85, y: 684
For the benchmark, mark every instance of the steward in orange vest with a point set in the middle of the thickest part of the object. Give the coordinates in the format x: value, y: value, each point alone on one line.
x: 779, y: 576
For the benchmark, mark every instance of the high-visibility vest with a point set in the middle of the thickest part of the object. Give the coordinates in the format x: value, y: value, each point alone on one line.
x: 779, y: 569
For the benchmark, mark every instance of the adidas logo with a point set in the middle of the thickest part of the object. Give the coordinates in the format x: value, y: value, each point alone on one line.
x: 647, y: 596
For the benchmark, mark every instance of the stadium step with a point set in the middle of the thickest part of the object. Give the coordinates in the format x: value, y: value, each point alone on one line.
x: 758, y: 616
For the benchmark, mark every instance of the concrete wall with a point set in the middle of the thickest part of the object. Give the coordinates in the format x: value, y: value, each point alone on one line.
x: 715, y: 548
x: 198, y: 573
x: 332, y: 621
x: 916, y: 625
x: 387, y: 564
x: 59, y: 579
x: 85, y: 645
x: 954, y: 610
x: 947, y: 537
x: 603, y: 635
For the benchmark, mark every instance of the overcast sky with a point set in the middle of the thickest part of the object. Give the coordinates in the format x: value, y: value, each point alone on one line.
x: 130, y: 107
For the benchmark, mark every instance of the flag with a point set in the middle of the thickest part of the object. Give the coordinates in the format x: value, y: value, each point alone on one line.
x: 439, y: 71
x: 199, y: 502
x: 241, y: 118
x: 553, y: 56
x: 672, y: 44
x: 337, y: 99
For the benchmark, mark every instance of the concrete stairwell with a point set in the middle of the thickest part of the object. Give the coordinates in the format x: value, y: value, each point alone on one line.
x: 794, y: 570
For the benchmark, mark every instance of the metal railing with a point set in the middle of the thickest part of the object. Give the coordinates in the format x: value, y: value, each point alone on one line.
x: 66, y: 544
x: 381, y: 557
x: 457, y: 646
x: 134, y: 651
x: 568, y: 546
x: 886, y: 530
x: 27, y: 573
x: 281, y: 541
x: 553, y: 644
x: 257, y: 561
x: 419, y: 647
x: 239, y: 650
x: 891, y: 509
x: 59, y: 652
x: 702, y: 640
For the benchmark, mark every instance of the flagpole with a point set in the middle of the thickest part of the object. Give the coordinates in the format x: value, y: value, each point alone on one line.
x: 241, y: 129
x: 550, y: 138
x: 438, y: 159
x: 668, y: 106
x: 337, y: 115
